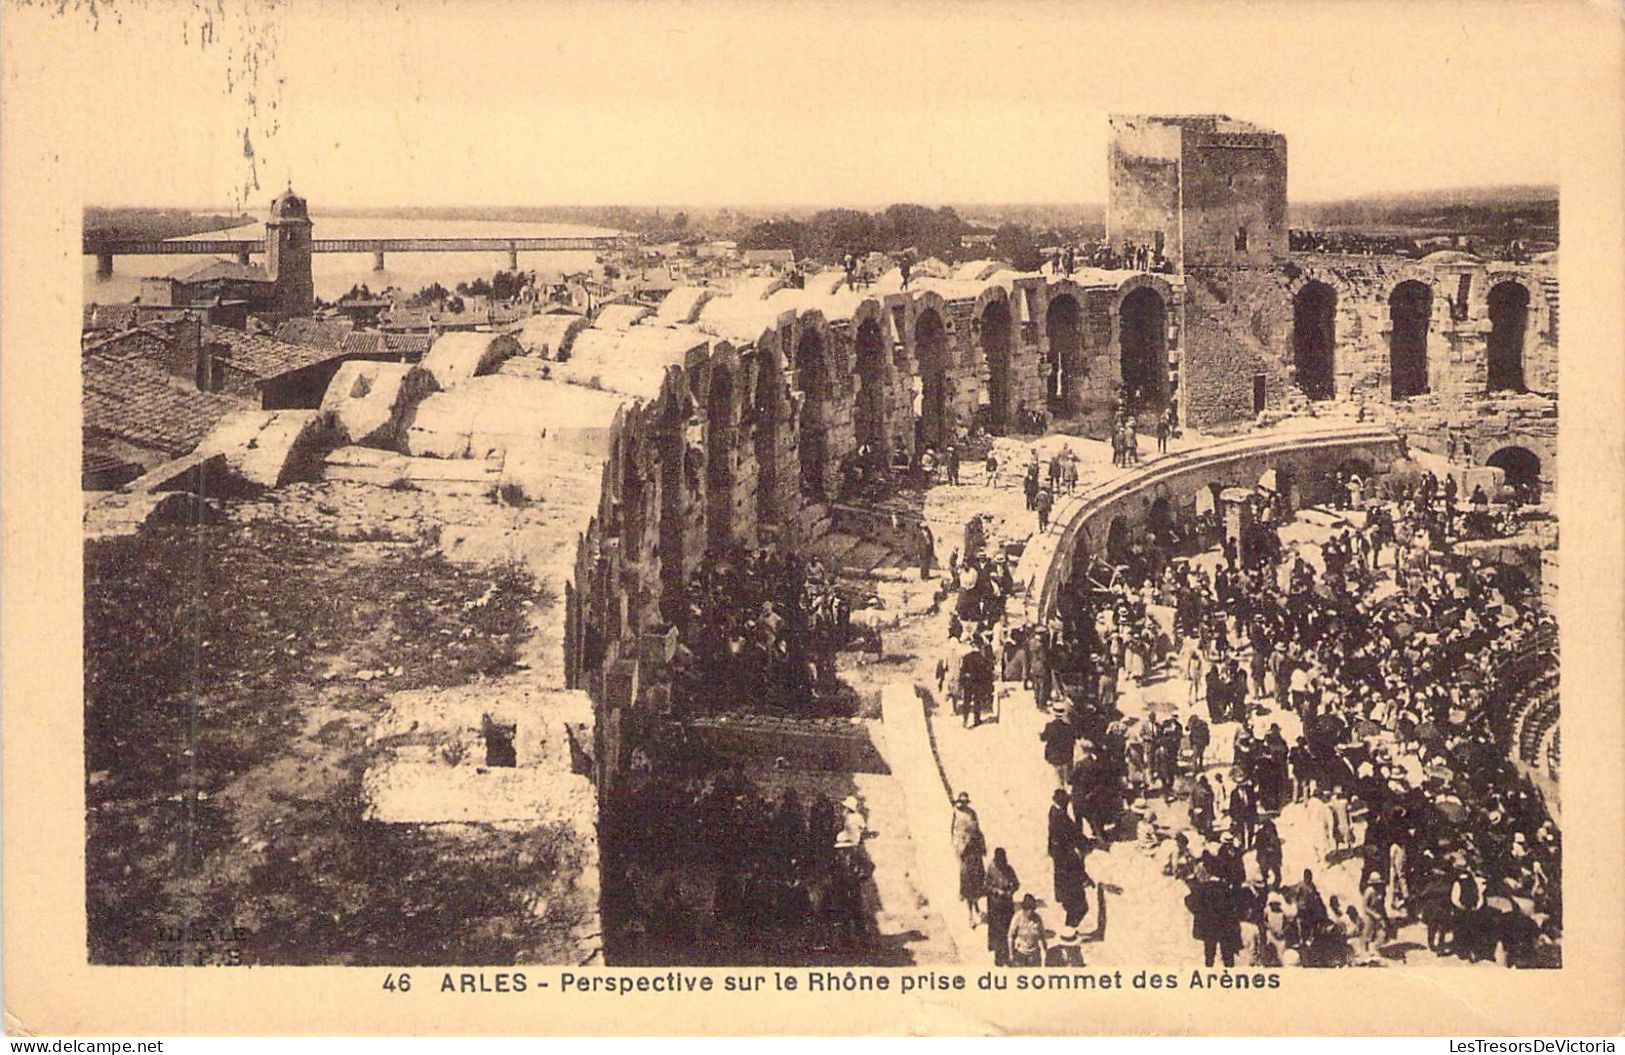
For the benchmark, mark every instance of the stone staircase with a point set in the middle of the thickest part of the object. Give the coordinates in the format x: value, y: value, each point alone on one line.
x: 1549, y: 287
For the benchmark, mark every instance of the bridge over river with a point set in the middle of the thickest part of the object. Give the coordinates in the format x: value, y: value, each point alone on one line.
x: 105, y: 249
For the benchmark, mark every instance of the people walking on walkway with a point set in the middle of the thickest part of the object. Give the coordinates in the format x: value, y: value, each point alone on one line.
x: 971, y: 847
x: 1059, y: 740
x: 1002, y: 884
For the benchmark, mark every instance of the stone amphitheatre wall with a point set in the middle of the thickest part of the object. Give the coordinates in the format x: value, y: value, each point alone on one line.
x: 1244, y: 322
x: 1176, y: 489
x: 742, y: 440
x: 737, y: 433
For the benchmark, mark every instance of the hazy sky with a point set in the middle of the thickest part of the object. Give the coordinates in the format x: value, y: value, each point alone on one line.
x: 424, y: 103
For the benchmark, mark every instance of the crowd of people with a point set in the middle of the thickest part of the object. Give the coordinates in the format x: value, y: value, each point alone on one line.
x: 1338, y: 771
x: 870, y: 473
x: 757, y: 625
x: 1352, y: 243
x: 1127, y: 255
x: 711, y: 866
x: 1366, y: 695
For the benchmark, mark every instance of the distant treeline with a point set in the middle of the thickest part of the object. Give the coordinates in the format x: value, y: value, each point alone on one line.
x: 1492, y: 212
x: 102, y: 222
x: 830, y: 234
x: 1528, y: 212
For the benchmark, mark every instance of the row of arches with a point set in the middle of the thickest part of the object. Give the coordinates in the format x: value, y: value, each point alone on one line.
x: 1144, y: 341
x: 1410, y: 314
x: 1521, y: 466
x: 1142, y: 345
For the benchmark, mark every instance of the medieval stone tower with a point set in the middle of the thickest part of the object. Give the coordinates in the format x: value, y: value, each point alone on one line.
x: 1204, y: 190
x: 287, y: 254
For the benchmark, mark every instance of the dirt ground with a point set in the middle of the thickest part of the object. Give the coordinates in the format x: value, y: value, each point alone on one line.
x: 232, y: 676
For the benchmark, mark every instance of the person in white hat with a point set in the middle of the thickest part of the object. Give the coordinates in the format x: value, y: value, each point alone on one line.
x: 1067, y: 950
x: 854, y: 823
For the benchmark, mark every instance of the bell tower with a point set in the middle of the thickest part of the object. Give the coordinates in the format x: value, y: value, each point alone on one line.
x: 287, y: 254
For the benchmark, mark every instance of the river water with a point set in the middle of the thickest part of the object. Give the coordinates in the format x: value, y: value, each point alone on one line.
x: 336, y: 273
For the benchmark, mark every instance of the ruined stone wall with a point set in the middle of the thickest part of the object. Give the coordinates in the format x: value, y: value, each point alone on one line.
x: 1482, y: 428
x: 690, y: 469
x: 1235, y: 323
x: 1027, y: 367
x: 1241, y: 324
x: 1143, y: 185
x: 1233, y: 182
x: 1094, y: 387
x: 1208, y: 192
x: 693, y: 456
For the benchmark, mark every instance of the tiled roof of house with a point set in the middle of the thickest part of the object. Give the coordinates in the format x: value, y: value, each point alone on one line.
x: 135, y: 341
x: 267, y: 357
x: 412, y: 346
x: 320, y: 333
x: 375, y: 343
x: 228, y: 270
x: 139, y: 403
x: 425, y: 318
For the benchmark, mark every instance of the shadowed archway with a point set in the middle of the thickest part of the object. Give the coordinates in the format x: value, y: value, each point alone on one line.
x: 679, y: 474
x: 720, y: 439
x: 1063, y: 324
x: 1509, y: 320
x: 1522, y: 468
x: 768, y: 408
x: 996, y: 336
x: 1410, y: 311
x: 812, y: 377
x: 1118, y: 541
x: 934, y: 426
x: 1314, y: 340
x: 869, y: 409
x: 1143, y: 337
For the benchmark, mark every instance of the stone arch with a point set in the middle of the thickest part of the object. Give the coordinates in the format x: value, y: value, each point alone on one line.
x: 871, y: 395
x: 1357, y: 466
x: 934, y: 420
x: 721, y: 437
x: 1142, y: 342
x: 1207, y: 499
x: 632, y: 489
x: 1522, y: 468
x: 1063, y: 326
x: 997, y: 338
x: 1314, y: 339
x: 1508, y: 305
x: 895, y: 323
x: 1512, y: 581
x: 672, y: 449
x: 1410, y: 314
x: 767, y: 411
x: 814, y: 379
x: 1119, y: 541
x: 1159, y: 519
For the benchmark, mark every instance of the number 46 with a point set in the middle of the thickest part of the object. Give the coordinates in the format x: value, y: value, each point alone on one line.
x: 398, y: 983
